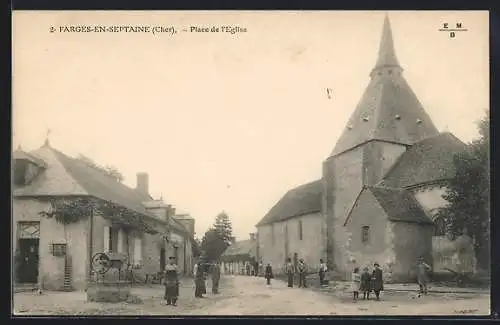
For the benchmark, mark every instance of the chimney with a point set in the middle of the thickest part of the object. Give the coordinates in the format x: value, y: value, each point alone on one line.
x: 143, y: 183
x: 252, y: 236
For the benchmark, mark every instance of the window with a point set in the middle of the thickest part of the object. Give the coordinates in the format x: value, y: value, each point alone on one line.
x: 137, y: 251
x: 365, y: 234
x: 20, y: 170
x: 29, y: 230
x: 113, y: 240
x: 300, y: 229
x: 439, y: 227
x: 58, y: 249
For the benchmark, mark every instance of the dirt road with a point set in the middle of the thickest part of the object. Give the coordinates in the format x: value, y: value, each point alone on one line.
x: 242, y: 295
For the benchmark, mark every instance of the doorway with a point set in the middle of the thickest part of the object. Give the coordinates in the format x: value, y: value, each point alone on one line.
x: 27, y: 272
x: 162, y: 258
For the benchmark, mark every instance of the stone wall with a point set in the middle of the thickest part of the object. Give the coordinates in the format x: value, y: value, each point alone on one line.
x: 378, y: 158
x: 411, y: 241
x: 51, y: 268
x: 380, y: 244
x: 346, y: 175
x: 287, y: 241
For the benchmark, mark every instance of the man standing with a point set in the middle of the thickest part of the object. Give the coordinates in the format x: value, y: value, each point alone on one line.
x: 422, y: 269
x: 215, y: 278
x: 302, y: 268
x: 268, y: 273
x: 171, y: 282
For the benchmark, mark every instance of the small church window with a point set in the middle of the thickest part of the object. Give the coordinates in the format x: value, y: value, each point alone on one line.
x: 390, y: 71
x: 300, y: 229
x: 365, y: 234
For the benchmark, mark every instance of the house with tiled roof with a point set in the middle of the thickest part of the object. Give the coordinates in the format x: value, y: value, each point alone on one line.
x: 239, y: 254
x: 380, y: 190
x: 106, y: 216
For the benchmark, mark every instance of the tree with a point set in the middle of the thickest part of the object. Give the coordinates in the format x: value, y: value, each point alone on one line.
x: 218, y: 238
x: 224, y: 227
x: 212, y: 245
x: 468, y: 195
x: 109, y: 170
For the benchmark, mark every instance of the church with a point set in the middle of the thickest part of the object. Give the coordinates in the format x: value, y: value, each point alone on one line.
x: 379, y: 192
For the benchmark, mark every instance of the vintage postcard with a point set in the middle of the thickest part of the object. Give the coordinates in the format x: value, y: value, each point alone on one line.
x: 250, y: 163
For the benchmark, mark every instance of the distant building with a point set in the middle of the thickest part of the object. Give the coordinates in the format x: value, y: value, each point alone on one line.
x: 58, y: 256
x: 238, y: 255
x: 380, y: 190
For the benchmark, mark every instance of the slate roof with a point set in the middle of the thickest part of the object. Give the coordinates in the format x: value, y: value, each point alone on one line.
x: 241, y: 248
x: 400, y: 205
x: 91, y: 182
x: 296, y: 202
x: 427, y: 161
x: 386, y: 97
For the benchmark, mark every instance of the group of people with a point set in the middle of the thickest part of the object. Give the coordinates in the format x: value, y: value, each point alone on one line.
x: 171, y: 280
x: 367, y: 282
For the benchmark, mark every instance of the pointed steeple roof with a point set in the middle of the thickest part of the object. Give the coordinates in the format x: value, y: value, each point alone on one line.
x: 386, y: 53
x: 388, y: 110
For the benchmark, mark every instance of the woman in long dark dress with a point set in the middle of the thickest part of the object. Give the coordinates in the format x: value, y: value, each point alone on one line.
x: 199, y: 280
x: 171, y: 282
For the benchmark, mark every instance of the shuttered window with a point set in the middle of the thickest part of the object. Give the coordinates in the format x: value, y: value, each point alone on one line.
x: 137, y: 251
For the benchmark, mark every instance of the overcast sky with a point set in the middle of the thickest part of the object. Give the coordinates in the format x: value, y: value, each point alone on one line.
x: 230, y: 122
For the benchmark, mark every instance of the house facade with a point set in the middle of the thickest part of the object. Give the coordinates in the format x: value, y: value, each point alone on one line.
x: 108, y: 217
x: 380, y: 190
x: 238, y: 255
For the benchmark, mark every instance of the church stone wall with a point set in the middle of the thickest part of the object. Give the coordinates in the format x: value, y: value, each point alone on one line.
x: 347, y: 184
x: 272, y: 251
x: 380, y: 245
x: 287, y: 241
x: 378, y: 158
x: 411, y: 241
x: 310, y: 248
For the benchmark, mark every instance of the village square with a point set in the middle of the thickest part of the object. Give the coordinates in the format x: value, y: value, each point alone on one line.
x: 383, y: 231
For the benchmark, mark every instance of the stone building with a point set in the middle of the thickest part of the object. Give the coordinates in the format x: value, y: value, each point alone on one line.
x: 238, y: 255
x: 380, y: 189
x: 128, y: 221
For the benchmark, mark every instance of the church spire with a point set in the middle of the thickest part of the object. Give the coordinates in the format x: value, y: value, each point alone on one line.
x: 386, y: 53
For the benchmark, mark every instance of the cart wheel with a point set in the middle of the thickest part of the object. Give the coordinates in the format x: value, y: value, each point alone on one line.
x: 100, y: 263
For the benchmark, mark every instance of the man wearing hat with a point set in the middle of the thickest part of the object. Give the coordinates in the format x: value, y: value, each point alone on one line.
x: 422, y: 269
x: 377, y: 280
x: 171, y: 282
x: 302, y: 268
x: 215, y: 277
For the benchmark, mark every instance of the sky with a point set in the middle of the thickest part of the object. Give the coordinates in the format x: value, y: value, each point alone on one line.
x: 230, y: 122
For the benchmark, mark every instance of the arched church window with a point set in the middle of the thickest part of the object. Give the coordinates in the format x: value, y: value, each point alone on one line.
x: 439, y: 227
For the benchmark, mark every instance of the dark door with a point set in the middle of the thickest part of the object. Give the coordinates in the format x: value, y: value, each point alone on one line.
x: 162, y: 258
x: 28, y: 260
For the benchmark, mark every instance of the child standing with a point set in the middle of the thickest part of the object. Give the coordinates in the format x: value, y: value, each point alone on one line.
x: 356, y: 282
x: 365, y: 283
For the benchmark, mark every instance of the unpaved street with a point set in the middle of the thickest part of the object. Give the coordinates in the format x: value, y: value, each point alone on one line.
x: 241, y: 295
